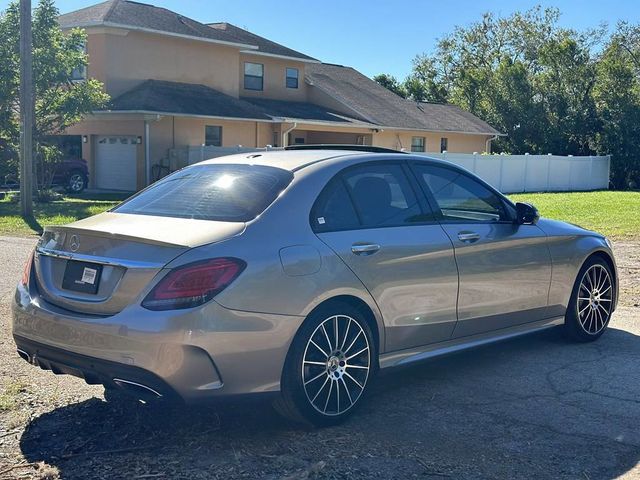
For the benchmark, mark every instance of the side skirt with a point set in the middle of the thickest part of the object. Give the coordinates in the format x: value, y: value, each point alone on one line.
x: 403, y: 357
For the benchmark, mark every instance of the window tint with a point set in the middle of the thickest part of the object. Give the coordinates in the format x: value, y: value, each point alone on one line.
x: 253, y: 76
x: 382, y: 196
x: 460, y: 197
x: 333, y: 210
x: 233, y: 193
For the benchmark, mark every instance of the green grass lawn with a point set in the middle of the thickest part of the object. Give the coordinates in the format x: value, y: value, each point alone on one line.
x: 53, y: 213
x: 615, y: 214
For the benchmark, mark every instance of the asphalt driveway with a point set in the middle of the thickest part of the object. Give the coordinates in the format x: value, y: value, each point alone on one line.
x: 534, y: 407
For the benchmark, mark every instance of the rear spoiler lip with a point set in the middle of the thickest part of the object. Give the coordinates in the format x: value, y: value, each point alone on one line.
x: 50, y: 252
x: 106, y: 234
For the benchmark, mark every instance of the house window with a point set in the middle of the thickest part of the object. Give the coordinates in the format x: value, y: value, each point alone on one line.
x: 417, y: 144
x: 212, y: 136
x: 80, y: 73
x: 292, y: 78
x: 253, y: 76
x: 444, y: 144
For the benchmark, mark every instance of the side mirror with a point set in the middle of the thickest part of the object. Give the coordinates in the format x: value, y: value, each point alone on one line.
x: 526, y: 214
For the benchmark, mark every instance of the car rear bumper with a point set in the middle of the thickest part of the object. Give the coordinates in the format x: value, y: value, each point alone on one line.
x: 191, y: 355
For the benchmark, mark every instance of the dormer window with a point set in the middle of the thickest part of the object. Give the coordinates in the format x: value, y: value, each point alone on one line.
x: 292, y: 78
x: 253, y: 76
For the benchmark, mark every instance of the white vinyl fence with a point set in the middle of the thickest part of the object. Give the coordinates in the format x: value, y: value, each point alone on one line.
x: 535, y: 173
x: 507, y: 173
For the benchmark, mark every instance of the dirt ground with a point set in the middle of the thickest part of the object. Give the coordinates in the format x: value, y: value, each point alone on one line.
x: 534, y: 407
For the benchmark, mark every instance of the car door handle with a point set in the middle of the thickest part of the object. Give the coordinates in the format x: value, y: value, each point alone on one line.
x: 364, y: 248
x: 468, y: 237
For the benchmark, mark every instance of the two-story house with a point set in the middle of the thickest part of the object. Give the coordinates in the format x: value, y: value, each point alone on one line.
x: 177, y: 82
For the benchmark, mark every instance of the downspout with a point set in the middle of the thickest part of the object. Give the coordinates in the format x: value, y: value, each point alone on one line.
x: 487, y: 145
x: 147, y: 149
x: 285, y: 134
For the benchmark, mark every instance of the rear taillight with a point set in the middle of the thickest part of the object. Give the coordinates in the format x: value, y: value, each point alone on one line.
x: 26, y: 273
x: 193, y: 284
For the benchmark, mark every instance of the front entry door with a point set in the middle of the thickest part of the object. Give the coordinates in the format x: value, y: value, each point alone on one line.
x: 370, y: 215
x: 505, y: 268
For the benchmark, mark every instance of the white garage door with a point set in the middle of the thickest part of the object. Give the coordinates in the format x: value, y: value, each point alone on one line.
x: 116, y: 163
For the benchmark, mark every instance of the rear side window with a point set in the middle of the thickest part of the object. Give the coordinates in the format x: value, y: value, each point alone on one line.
x: 230, y: 193
x: 368, y: 196
x: 460, y: 197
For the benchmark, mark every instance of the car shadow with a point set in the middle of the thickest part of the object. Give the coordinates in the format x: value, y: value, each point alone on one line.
x: 534, y: 407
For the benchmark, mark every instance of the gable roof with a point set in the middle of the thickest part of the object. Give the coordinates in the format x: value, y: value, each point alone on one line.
x: 264, y: 45
x: 143, y: 16
x: 380, y: 106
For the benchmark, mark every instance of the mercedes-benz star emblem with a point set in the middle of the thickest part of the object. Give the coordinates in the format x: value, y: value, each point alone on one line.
x: 74, y: 243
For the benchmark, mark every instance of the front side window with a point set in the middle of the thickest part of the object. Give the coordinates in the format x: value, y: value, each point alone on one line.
x: 253, y: 76
x: 460, y: 198
x: 220, y: 192
x: 292, y: 78
x: 417, y: 144
x: 382, y: 196
x: 213, y: 136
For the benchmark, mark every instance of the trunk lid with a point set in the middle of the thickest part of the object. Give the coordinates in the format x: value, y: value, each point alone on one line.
x: 124, y: 252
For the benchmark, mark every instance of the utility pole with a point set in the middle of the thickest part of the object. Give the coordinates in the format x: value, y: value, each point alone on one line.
x: 26, y: 110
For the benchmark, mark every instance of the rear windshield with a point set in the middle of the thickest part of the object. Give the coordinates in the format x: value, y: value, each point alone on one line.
x: 230, y: 193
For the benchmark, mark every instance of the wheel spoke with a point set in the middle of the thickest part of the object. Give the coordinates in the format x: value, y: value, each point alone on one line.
x: 335, y: 329
x: 327, y: 337
x: 315, y: 378
x: 358, y: 353
x: 606, y: 312
x: 605, y: 290
x: 352, y: 342
x: 584, y: 308
x: 362, y: 367
x: 321, y: 388
x: 344, y: 384
x: 324, y: 410
x: 346, y: 334
x: 357, y: 382
x: 318, y: 347
x: 311, y: 362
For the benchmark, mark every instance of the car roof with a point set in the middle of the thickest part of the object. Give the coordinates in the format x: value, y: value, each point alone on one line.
x: 294, y: 160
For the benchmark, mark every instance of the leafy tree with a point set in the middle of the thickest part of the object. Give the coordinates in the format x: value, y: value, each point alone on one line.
x: 59, y: 100
x: 550, y: 89
x: 391, y: 83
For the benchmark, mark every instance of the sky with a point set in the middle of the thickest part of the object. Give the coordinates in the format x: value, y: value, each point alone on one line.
x: 373, y: 36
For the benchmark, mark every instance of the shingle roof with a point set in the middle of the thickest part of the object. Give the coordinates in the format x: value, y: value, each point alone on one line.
x: 380, y: 106
x: 171, y: 97
x: 303, y: 111
x: 193, y: 99
x: 264, y: 45
x: 142, y: 15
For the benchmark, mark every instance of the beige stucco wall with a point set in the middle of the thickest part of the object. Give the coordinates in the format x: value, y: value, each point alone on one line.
x: 122, y: 59
x: 274, y: 85
x: 457, y: 142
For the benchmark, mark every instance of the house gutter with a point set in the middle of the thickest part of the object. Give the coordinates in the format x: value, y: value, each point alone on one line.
x: 285, y: 134
x: 147, y: 149
x: 487, y: 145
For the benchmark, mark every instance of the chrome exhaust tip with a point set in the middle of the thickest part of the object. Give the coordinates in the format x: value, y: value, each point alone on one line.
x: 24, y: 355
x: 135, y: 388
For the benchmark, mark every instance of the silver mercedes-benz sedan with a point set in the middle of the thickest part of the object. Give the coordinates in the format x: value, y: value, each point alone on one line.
x: 301, y: 273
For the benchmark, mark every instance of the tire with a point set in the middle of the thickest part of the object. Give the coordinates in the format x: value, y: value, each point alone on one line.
x: 591, y: 304
x: 322, y: 386
x: 76, y: 182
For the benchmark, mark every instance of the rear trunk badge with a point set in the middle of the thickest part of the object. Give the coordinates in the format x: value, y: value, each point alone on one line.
x: 74, y: 243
